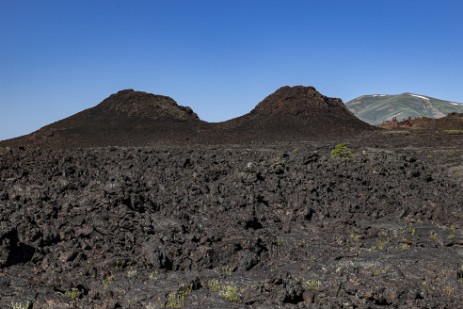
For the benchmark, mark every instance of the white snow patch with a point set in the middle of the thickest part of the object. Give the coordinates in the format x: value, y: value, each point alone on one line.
x: 456, y: 104
x: 392, y: 117
x: 379, y: 95
x: 419, y: 96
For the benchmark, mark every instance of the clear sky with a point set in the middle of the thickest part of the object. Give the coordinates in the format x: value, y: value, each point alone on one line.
x: 220, y: 57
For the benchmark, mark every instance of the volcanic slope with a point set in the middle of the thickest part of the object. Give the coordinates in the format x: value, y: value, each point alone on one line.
x: 295, y: 113
x: 133, y: 118
x: 126, y: 118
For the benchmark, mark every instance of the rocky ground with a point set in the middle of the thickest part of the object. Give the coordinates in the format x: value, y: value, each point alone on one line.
x: 235, y: 226
x: 452, y: 123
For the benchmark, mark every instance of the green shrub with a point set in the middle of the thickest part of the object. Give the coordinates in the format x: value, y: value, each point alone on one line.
x: 341, y: 151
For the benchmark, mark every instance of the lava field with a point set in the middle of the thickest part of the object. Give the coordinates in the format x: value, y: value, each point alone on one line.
x: 137, y: 203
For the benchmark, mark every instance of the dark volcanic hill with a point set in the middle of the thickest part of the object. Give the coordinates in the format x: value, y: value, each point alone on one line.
x: 134, y: 118
x: 296, y: 113
x: 126, y: 118
x: 453, y: 121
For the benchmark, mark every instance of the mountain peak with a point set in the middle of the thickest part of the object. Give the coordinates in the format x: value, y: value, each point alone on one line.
x: 376, y: 109
x: 297, y: 100
x: 140, y: 104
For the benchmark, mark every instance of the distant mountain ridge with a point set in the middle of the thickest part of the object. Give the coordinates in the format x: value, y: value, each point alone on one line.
x: 378, y: 108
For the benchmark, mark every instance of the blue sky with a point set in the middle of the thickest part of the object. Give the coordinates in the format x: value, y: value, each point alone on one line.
x: 220, y: 57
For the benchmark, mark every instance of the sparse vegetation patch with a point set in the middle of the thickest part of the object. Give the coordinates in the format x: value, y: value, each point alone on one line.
x: 341, y: 151
x: 453, y: 131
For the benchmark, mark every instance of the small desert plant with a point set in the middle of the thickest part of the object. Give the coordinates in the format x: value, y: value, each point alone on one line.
x: 214, y: 285
x: 107, y: 281
x: 354, y: 237
x: 412, y: 230
x: 131, y: 273
x: 230, y: 293
x: 175, y: 300
x: 453, y: 228
x: 433, y: 235
x: 355, y: 250
x: 313, y: 284
x: 405, y: 247
x: 184, y: 291
x: 153, y: 276
x: 227, y: 270
x: 448, y: 290
x: 460, y: 275
x: 341, y: 151
x: 20, y: 305
x: 73, y: 293
x: 380, y: 245
x: 378, y: 271
x: 121, y: 263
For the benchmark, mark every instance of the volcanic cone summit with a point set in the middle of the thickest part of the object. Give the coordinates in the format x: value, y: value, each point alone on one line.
x: 140, y: 104
x: 299, y: 100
